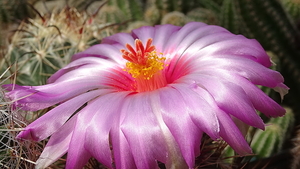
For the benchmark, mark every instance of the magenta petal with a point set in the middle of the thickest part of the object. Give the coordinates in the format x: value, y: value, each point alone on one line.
x: 232, y: 135
x: 223, y: 43
x: 119, y: 40
x: 122, y: 151
x: 160, y: 34
x: 57, y: 145
x: 98, y: 129
x: 38, y: 131
x: 259, y: 99
x: 180, y: 122
x: 78, y: 156
x: 201, y: 37
x: 39, y: 97
x: 143, y: 33
x: 101, y: 51
x: 181, y: 34
x: 228, y: 129
x: 87, y: 66
x: 143, y: 132
x: 229, y: 97
x: 243, y: 67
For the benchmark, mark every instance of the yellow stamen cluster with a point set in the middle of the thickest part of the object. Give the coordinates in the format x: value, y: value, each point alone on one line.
x: 145, y: 65
x: 153, y: 65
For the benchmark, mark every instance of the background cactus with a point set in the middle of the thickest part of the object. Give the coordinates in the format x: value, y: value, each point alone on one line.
x: 296, y: 151
x: 269, y: 142
x: 41, y: 46
x: 293, y: 8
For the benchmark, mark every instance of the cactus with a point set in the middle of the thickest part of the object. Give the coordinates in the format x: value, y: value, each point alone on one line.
x: 293, y: 8
x: 152, y: 14
x: 296, y: 151
x: 14, y: 10
x: 174, y: 18
x: 13, y: 153
x: 46, y: 44
x: 228, y: 16
x: 133, y: 9
x: 203, y: 15
x: 268, y: 142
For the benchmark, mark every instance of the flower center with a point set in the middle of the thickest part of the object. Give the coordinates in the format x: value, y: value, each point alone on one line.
x: 145, y: 66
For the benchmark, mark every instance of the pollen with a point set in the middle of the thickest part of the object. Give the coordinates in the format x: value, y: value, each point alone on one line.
x: 143, y: 62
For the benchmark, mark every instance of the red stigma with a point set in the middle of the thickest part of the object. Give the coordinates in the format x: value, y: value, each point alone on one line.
x: 139, y: 55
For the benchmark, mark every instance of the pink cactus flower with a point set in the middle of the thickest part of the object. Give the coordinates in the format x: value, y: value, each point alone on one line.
x: 147, y: 96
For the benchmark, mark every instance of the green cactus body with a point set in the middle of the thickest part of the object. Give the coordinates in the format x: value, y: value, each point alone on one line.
x: 152, y: 14
x: 228, y: 16
x: 211, y: 5
x: 293, y: 8
x: 166, y: 6
x: 133, y: 9
x: 268, y: 142
x: 174, y: 18
x: 203, y: 15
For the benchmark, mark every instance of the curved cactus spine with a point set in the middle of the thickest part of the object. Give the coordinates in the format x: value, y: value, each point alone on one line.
x: 14, y: 153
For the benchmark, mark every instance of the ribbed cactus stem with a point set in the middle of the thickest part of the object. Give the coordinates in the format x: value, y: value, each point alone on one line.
x: 228, y: 16
x: 270, y: 141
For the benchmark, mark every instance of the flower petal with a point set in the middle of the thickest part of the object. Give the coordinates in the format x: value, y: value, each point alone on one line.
x: 123, y: 157
x: 228, y: 129
x: 119, y: 40
x: 221, y: 43
x: 38, y: 131
x: 39, y: 97
x: 78, y: 156
x: 97, y: 133
x: 57, y: 145
x: 177, y: 38
x: 229, y: 97
x: 259, y: 99
x: 101, y: 51
x: 245, y: 67
x: 91, y: 65
x: 181, y: 123
x: 232, y: 135
x: 109, y: 76
x: 141, y: 130
x: 160, y: 35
